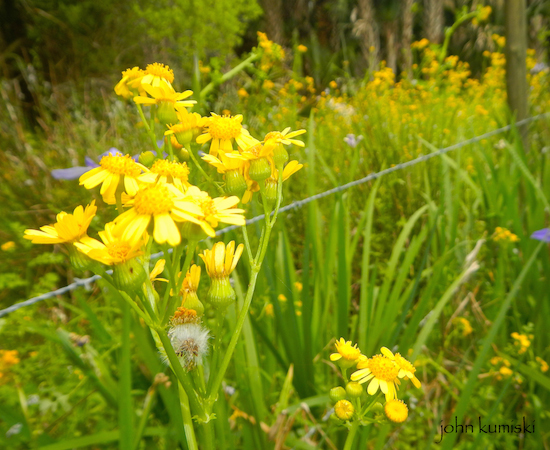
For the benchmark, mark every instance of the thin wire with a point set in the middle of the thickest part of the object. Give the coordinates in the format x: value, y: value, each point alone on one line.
x: 294, y: 205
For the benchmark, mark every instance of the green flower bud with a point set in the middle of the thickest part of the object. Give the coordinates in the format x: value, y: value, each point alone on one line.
x: 221, y: 294
x: 192, y: 302
x: 129, y: 276
x: 166, y: 113
x: 337, y: 393
x: 82, y: 262
x: 260, y: 169
x: 147, y: 158
x: 335, y: 420
x: 184, y: 154
x: 235, y: 183
x: 344, y: 409
x: 280, y: 156
x: 354, y: 389
x: 192, y: 232
x: 184, y: 137
x: 270, y: 192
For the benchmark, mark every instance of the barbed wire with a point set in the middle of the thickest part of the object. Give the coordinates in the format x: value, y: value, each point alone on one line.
x: 294, y: 205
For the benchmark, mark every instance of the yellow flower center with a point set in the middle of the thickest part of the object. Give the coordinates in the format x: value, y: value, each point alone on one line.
x: 118, y: 250
x: 404, y: 364
x: 208, y: 209
x: 383, y: 368
x: 171, y: 169
x: 274, y: 135
x: 120, y: 165
x: 224, y: 128
x: 153, y: 200
x: 348, y: 351
x: 160, y: 70
x: 255, y: 150
x: 133, y: 73
x: 396, y: 410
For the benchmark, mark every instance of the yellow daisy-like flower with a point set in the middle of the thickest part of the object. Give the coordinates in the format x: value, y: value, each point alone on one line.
x: 167, y: 171
x: 69, y: 227
x: 347, y: 354
x: 222, y: 259
x: 382, y: 373
x: 130, y: 84
x: 214, y: 211
x: 344, y: 409
x: 162, y: 203
x: 113, y: 169
x: 222, y: 130
x: 406, y: 369
x: 283, y: 137
x: 163, y: 93
x: 156, y: 74
x: 232, y: 165
x: 114, y: 249
x: 189, y: 126
x: 396, y: 410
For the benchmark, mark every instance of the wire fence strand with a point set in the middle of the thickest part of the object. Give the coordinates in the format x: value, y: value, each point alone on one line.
x: 295, y: 205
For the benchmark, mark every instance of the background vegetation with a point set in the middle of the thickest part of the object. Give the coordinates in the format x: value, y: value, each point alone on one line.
x: 385, y: 263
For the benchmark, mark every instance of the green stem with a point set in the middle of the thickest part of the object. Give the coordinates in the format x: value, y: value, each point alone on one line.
x: 147, y: 405
x: 150, y: 132
x: 126, y: 411
x: 228, y: 75
x: 247, y: 243
x: 201, y: 170
x: 351, y: 435
x: 208, y: 433
x: 187, y: 420
x: 450, y: 31
x: 170, y: 149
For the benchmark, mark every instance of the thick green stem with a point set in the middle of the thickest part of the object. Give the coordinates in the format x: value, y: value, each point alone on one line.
x: 201, y: 170
x: 125, y: 411
x: 187, y: 420
x: 147, y: 405
x: 450, y: 31
x: 351, y: 435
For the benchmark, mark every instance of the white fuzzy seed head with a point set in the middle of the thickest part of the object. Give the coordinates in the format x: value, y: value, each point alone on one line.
x: 190, y: 343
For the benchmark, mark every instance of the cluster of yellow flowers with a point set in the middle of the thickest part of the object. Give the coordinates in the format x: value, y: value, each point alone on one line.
x: 8, y: 358
x: 521, y: 341
x: 502, y: 234
x: 382, y: 372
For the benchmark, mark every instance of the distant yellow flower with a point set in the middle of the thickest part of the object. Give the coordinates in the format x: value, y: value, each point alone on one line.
x: 222, y: 130
x: 155, y: 74
x: 130, y: 84
x: 114, y: 249
x: 505, y: 371
x: 344, y: 409
x: 502, y: 234
x: 242, y: 93
x: 522, y: 341
x: 69, y: 227
x: 269, y: 310
x: 113, y: 170
x: 299, y: 286
x: 543, y: 364
x: 333, y: 84
x: 396, y: 410
x: 381, y: 372
x: 406, y: 369
x: 464, y: 325
x: 347, y: 354
x: 7, y: 246
x: 167, y: 171
x: 164, y: 204
x: 302, y: 48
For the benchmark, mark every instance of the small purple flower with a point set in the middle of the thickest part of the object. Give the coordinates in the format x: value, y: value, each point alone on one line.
x: 352, y: 141
x: 72, y: 173
x: 542, y: 235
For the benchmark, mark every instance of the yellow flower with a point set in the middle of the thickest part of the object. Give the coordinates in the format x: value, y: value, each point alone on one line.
x: 242, y: 92
x: 522, y: 341
x: 163, y: 203
x: 344, y: 409
x: 114, y: 249
x: 7, y: 246
x: 213, y: 211
x: 222, y: 259
x: 232, y: 165
x: 543, y: 364
x: 167, y: 171
x: 130, y: 84
x: 382, y: 373
x: 222, y: 130
x: 114, y: 169
x: 189, y: 126
x: 333, y: 84
x: 406, y: 369
x: 302, y: 48
x: 464, y: 325
x: 347, y: 354
x: 299, y: 286
x: 502, y: 234
x: 167, y: 99
x: 269, y: 310
x: 396, y: 410
x: 69, y: 227
x: 157, y: 270
x: 190, y: 299
x: 156, y: 74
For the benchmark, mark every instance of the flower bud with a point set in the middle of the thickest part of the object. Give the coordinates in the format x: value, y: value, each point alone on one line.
x: 129, y: 276
x: 184, y: 154
x: 270, y: 192
x: 147, y: 158
x: 354, y: 389
x: 260, y: 169
x: 166, y: 113
x: 335, y: 420
x: 221, y: 294
x: 337, y: 393
x: 192, y: 301
x: 235, y: 183
x: 192, y: 232
x: 82, y: 262
x: 280, y: 156
x: 344, y: 409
